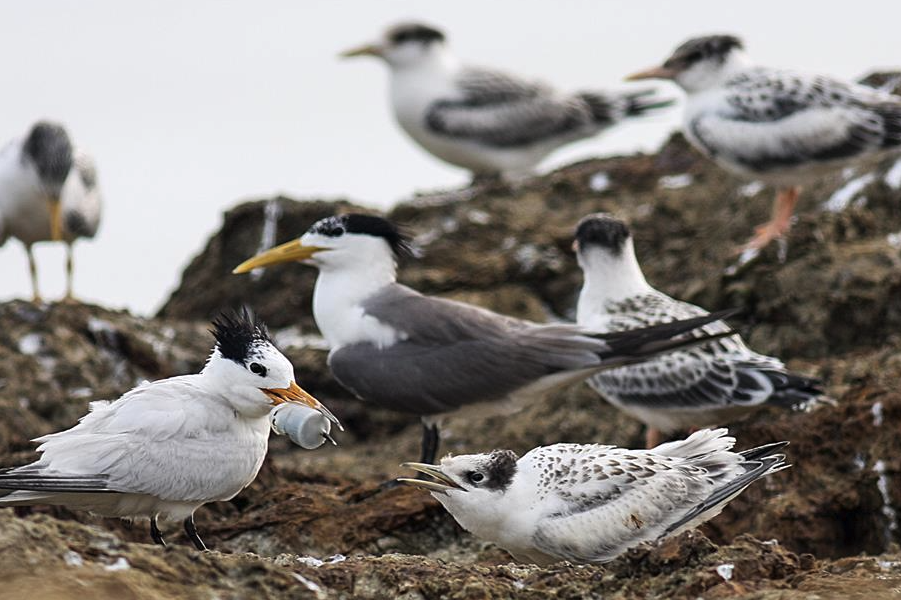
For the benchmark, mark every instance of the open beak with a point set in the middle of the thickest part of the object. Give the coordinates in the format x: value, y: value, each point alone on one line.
x: 295, y: 393
x: 653, y: 73
x: 56, y: 219
x: 443, y: 483
x: 292, y: 251
x: 365, y: 50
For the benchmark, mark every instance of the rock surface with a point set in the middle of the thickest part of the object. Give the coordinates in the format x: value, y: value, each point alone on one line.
x: 830, y: 306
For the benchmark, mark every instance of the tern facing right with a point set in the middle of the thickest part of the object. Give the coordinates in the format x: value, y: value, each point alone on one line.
x: 166, y: 448
x: 590, y: 503
x: 488, y: 121
x: 702, y: 386
x: 782, y: 127
x: 48, y: 192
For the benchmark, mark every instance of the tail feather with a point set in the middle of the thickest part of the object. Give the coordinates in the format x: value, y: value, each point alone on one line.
x: 891, y: 122
x: 607, y: 108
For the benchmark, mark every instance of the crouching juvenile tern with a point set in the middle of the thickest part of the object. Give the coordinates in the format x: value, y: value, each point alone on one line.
x: 591, y: 503
x: 168, y: 447
x: 782, y: 127
x: 404, y: 351
x: 48, y: 192
x: 487, y: 121
x: 705, y: 385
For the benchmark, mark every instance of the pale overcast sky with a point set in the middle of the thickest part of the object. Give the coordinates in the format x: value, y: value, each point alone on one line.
x: 191, y: 107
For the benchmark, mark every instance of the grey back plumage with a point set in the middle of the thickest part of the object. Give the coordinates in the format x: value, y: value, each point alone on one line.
x: 455, y: 354
x: 841, y: 121
x: 501, y: 111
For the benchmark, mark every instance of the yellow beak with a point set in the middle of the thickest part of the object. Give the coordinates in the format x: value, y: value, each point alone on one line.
x: 443, y: 484
x: 287, y: 252
x: 295, y: 393
x: 56, y: 219
x: 365, y: 50
x: 653, y: 73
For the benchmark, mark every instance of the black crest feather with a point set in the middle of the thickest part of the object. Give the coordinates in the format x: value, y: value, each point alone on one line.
x: 501, y: 469
x: 237, y: 332
x: 414, y: 32
x: 604, y: 230
x: 367, y: 225
x: 701, y: 48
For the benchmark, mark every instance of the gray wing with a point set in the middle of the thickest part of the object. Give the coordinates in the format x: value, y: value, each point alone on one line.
x: 715, y: 374
x: 601, y: 501
x: 500, y: 110
x: 776, y: 119
x: 81, y: 199
x: 455, y: 354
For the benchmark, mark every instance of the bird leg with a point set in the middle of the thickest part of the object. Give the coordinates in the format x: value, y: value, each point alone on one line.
x: 56, y: 219
x: 780, y: 222
x: 652, y: 438
x: 191, y: 530
x: 430, y: 443
x: 155, y: 534
x: 33, y: 269
x: 69, y: 267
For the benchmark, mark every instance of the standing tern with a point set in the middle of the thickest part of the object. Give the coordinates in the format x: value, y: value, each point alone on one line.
x: 48, y: 192
x: 489, y: 122
x: 591, y: 503
x: 427, y: 356
x: 782, y: 127
x: 705, y: 385
x: 166, y: 448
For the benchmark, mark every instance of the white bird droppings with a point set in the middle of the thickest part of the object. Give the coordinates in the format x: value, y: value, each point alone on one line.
x: 842, y: 197
x: 725, y: 571
x: 479, y: 217
x: 599, y: 182
x: 676, y: 182
x: 893, y: 176
x: 749, y: 190
x: 876, y: 409
x: 271, y: 214
x: 31, y: 344
x: 121, y: 564
x: 890, y: 514
x: 73, y: 559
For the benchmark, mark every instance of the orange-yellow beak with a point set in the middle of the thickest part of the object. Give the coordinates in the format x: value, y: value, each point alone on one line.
x: 295, y: 393
x: 292, y: 251
x: 653, y: 73
x: 365, y: 50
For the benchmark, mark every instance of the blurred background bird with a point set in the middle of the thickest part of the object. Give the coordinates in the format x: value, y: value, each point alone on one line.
x: 48, y: 193
x: 487, y: 121
x: 782, y: 127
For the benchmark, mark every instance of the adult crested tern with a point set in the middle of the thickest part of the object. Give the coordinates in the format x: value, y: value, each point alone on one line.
x: 591, y: 503
x: 488, y: 121
x: 168, y: 447
x: 782, y: 127
x: 701, y: 386
x: 48, y: 192
x: 427, y: 356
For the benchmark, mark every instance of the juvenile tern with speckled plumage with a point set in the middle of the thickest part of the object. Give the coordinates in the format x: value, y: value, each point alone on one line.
x: 48, y: 192
x: 782, y: 127
x: 428, y: 356
x: 484, y: 120
x: 702, y: 386
x: 168, y: 447
x: 590, y: 503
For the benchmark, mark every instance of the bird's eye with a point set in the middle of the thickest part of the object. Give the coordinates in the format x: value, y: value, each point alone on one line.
x: 475, y: 476
x: 258, y: 369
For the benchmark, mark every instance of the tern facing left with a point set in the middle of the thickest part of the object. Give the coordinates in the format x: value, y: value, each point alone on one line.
x: 590, y: 503
x: 166, y: 448
x: 783, y: 127
x: 487, y: 121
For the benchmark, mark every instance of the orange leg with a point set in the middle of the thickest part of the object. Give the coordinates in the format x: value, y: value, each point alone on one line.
x: 780, y: 222
x: 652, y: 438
